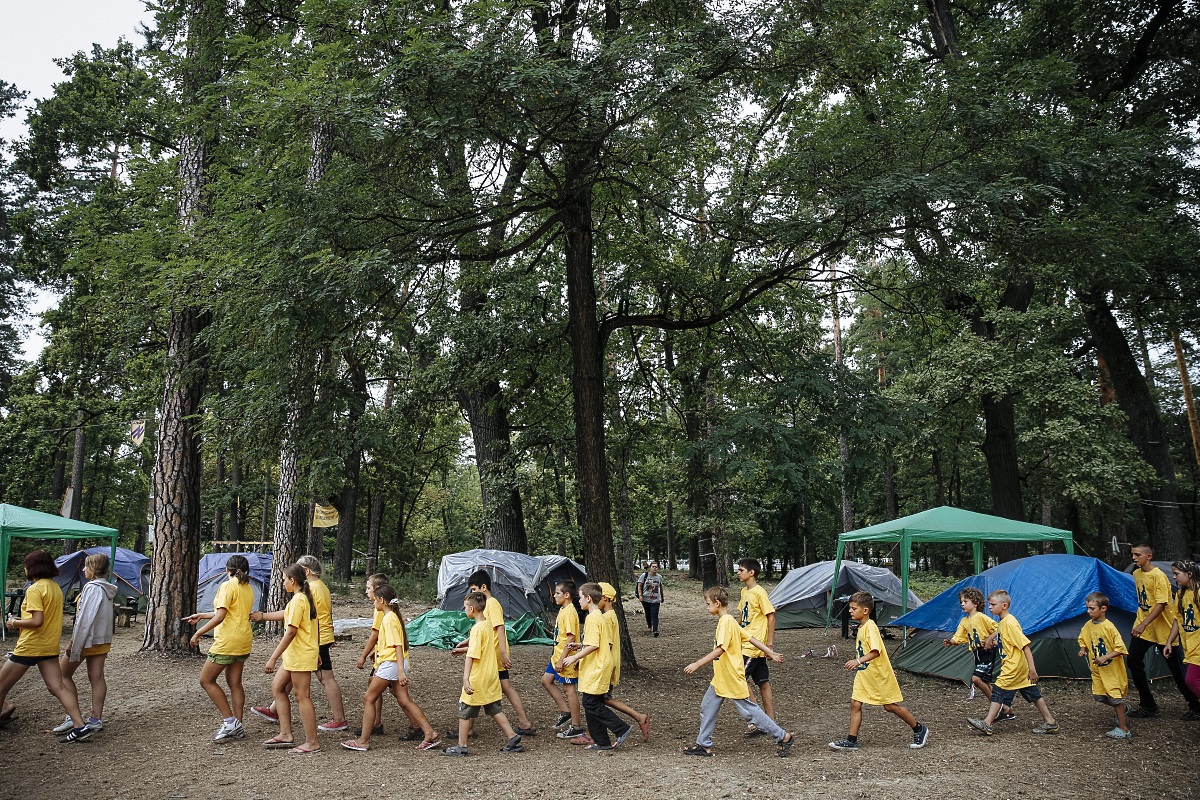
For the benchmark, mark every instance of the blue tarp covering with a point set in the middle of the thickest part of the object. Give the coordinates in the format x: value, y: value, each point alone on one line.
x: 1046, y: 590
x: 131, y: 571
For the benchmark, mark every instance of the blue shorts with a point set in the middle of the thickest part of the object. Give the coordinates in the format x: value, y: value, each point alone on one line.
x: 550, y: 670
x: 1005, y: 696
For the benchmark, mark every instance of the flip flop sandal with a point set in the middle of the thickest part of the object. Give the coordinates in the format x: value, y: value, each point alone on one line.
x: 300, y: 751
x: 275, y: 743
x: 645, y: 728
x: 785, y: 747
x: 697, y: 750
x: 352, y: 744
x: 430, y: 745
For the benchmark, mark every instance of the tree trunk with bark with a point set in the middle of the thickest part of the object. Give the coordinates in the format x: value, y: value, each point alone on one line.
x: 487, y: 414
x: 343, y: 555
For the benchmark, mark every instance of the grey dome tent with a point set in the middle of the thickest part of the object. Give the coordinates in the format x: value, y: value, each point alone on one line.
x: 213, y: 574
x: 523, y: 584
x: 801, y: 599
x: 130, y: 571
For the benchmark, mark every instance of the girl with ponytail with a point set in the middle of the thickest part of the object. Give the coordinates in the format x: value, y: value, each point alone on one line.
x: 1185, y: 626
x: 232, y: 641
x: 299, y: 651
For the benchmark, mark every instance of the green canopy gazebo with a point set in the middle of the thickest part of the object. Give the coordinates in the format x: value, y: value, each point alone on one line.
x: 24, y: 523
x: 948, y: 524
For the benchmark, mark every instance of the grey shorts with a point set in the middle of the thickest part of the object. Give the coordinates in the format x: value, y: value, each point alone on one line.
x: 471, y: 712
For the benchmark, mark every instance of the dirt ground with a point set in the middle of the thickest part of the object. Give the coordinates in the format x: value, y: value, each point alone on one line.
x: 159, y: 723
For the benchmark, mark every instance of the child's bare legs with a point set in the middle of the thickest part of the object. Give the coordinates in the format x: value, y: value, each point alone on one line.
x: 1122, y: 719
x: 556, y: 694
x: 52, y: 676
x: 900, y: 711
x: 413, y: 711
x: 333, y: 693
x: 768, y: 698
x: 993, y: 712
x: 985, y: 687
x: 237, y: 693
x: 302, y: 684
x: 629, y: 711
x: 855, y: 717
x: 502, y: 721
x: 279, y: 690
x: 573, y: 701
x: 208, y: 682
x: 66, y: 668
x: 370, y: 702
x: 518, y: 708
x: 99, y: 683
x: 10, y: 673
x: 1044, y: 709
x: 464, y: 731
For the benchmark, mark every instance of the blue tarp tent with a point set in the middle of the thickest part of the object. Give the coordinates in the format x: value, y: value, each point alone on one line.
x: 212, y: 575
x: 1048, y: 594
x: 130, y: 570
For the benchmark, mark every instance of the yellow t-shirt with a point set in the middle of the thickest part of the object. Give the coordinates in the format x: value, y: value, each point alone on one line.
x: 391, y: 645
x: 973, y: 630
x: 485, y: 669
x: 233, y: 636
x: 754, y: 607
x: 1189, y: 625
x: 595, y: 669
x: 566, y: 629
x: 1014, y: 669
x: 45, y: 596
x: 1152, y: 588
x: 301, y: 655
x: 493, y: 612
x: 875, y: 681
x: 324, y: 603
x: 729, y: 670
x: 612, y: 631
x: 376, y: 620
x: 1100, y: 639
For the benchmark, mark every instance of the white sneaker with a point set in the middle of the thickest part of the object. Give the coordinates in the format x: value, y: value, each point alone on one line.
x: 228, y: 730
x: 93, y: 724
x: 65, y: 727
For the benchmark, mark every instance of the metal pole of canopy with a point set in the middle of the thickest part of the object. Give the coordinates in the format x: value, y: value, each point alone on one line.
x: 977, y: 553
x: 905, y: 555
x: 837, y: 564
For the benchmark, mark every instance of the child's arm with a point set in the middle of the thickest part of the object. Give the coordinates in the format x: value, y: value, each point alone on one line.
x: 568, y: 647
x: 1033, y: 676
x: 1157, y: 610
x: 708, y: 659
x: 259, y: 616
x: 770, y: 640
x: 283, y: 645
x: 502, y: 640
x: 36, y: 618
x: 767, y: 651
x: 467, y: 662
x: 368, y: 647
x: 214, y: 619
x: 575, y: 659
x: 855, y: 663
x: 1170, y: 645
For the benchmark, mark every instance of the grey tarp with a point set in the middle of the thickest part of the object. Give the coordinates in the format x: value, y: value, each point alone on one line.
x: 523, y: 584
x: 801, y: 599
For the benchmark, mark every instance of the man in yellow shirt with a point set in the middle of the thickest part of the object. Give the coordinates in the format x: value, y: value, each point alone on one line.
x: 1150, y: 631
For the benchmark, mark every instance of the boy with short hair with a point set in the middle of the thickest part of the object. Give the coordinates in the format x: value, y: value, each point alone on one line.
x: 757, y: 618
x: 561, y: 682
x: 1018, y: 673
x: 1151, y: 629
x: 975, y: 631
x: 874, y: 679
x: 481, y: 680
x: 1101, y: 644
x: 608, y: 595
x: 595, y: 674
x: 481, y: 582
x: 729, y: 679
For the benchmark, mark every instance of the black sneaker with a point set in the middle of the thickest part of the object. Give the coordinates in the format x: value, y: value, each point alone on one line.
x: 1005, y: 716
x: 843, y: 744
x: 1141, y: 712
x: 920, y: 737
x: 561, y: 720
x: 76, y: 735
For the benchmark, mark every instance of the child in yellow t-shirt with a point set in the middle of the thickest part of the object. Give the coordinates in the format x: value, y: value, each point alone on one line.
x: 299, y: 652
x: 595, y: 673
x: 608, y: 596
x: 1185, y: 627
x: 232, y: 641
x: 1017, y: 670
x: 1101, y: 643
x: 481, y: 680
x: 757, y: 616
x: 566, y: 633
x: 729, y: 679
x: 874, y: 679
x: 975, y: 631
x: 372, y: 583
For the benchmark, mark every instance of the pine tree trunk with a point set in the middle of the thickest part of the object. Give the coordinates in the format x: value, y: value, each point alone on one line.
x: 289, y: 535
x: 1159, y: 502
x: 236, y: 512
x: 504, y: 522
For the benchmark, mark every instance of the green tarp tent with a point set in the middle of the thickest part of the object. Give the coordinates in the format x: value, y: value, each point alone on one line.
x: 17, y: 522
x: 947, y: 524
x: 444, y: 629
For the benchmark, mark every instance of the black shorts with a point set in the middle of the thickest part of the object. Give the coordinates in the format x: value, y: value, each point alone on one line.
x: 323, y: 659
x: 757, y: 671
x: 985, y: 662
x: 29, y: 661
x: 503, y: 674
x: 1005, y: 697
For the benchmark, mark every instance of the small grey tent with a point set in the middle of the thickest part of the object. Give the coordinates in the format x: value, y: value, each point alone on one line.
x: 801, y: 599
x: 523, y: 584
x: 213, y: 574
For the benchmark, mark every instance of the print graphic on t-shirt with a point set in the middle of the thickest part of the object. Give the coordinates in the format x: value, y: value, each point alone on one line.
x: 858, y: 646
x: 1099, y: 649
x: 1143, y: 599
x: 1189, y: 619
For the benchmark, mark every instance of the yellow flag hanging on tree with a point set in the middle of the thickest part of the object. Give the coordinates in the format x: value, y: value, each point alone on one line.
x: 324, y: 516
